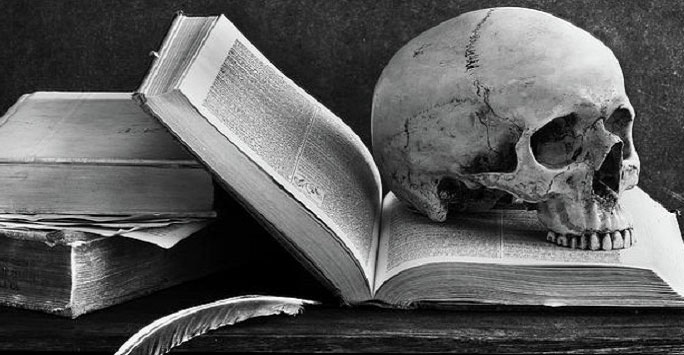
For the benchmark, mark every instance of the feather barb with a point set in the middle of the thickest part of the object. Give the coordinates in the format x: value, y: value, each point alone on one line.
x: 165, y: 333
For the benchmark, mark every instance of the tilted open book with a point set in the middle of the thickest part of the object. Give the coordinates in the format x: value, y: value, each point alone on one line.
x: 311, y: 181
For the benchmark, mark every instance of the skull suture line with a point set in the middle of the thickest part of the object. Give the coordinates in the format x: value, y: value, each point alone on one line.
x: 510, y: 101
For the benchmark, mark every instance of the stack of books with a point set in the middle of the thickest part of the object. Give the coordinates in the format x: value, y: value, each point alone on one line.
x: 92, y: 192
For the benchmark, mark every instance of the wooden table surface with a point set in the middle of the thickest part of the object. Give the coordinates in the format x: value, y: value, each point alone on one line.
x: 330, y: 327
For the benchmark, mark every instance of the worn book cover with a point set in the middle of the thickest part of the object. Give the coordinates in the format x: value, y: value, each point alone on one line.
x: 71, y: 273
x: 95, y: 153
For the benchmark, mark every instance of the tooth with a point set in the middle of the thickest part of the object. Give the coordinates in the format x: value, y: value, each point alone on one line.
x: 551, y: 237
x: 584, y: 244
x: 607, y: 243
x: 618, y: 242
x: 562, y: 240
x: 634, y: 236
x: 628, y: 238
x: 573, y: 242
x: 594, y: 243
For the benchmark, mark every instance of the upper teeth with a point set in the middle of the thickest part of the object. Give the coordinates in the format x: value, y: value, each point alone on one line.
x: 595, y: 241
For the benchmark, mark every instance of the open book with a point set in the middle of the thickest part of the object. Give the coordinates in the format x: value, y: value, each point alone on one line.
x: 311, y: 181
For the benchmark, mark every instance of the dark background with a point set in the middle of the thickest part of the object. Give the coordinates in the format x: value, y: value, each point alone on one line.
x: 336, y: 50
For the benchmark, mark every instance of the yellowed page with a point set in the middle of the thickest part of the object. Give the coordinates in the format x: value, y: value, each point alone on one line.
x: 307, y: 150
x: 167, y: 236
x: 516, y: 237
x: 164, y: 235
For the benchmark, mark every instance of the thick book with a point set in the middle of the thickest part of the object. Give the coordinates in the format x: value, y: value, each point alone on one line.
x: 311, y: 181
x: 95, y: 153
x: 71, y: 273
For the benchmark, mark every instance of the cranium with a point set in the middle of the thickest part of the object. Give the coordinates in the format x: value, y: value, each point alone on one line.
x: 510, y: 101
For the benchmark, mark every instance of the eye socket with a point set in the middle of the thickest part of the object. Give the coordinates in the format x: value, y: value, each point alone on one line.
x: 558, y: 143
x: 620, y: 124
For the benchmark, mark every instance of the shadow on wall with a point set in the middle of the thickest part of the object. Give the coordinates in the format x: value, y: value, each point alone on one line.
x: 336, y: 51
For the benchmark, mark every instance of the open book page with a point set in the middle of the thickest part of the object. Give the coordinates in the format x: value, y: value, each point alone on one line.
x: 164, y: 235
x: 500, y: 236
x: 658, y: 233
x: 307, y: 150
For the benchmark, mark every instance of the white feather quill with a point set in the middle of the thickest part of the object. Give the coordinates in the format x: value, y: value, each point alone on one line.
x: 170, y: 331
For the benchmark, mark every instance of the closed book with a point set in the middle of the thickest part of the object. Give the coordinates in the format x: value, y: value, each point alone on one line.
x: 95, y: 153
x: 72, y: 273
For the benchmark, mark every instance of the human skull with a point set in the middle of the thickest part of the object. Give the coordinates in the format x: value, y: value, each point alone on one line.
x: 510, y: 101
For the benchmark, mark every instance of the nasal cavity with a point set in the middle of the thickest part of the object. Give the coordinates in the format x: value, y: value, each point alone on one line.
x: 606, y: 181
